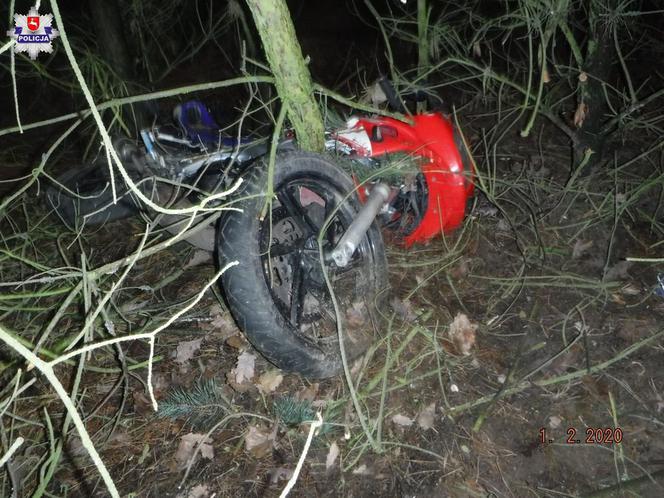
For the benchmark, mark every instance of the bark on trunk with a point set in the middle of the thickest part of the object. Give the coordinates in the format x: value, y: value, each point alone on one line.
x: 293, y: 80
x: 110, y: 32
x: 598, y: 66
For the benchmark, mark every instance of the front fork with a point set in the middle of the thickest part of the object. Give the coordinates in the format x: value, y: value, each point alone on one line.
x: 351, y: 239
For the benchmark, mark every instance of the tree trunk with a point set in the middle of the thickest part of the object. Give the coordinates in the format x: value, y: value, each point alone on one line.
x: 292, y: 76
x: 109, y: 29
x: 598, y: 68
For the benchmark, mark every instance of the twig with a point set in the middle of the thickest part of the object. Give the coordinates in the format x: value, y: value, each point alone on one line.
x: 342, y: 348
x: 562, y: 378
x: 47, y: 370
x: 19, y: 441
x: 93, y: 316
x: 109, y: 104
x: 37, y: 171
x: 145, y: 335
x: 316, y: 424
x: 621, y: 488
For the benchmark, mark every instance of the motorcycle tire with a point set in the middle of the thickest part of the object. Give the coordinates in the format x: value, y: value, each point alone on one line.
x: 277, y: 293
x: 92, y: 203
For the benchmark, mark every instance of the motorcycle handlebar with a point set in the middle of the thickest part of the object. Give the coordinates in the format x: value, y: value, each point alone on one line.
x: 396, y: 100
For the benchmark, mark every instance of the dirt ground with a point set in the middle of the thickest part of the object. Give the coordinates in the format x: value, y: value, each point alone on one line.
x: 518, y: 357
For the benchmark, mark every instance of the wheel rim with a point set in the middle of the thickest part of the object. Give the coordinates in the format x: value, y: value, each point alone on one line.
x: 291, y: 261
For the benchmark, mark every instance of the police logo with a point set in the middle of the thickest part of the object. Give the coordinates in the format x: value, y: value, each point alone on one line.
x: 33, y: 33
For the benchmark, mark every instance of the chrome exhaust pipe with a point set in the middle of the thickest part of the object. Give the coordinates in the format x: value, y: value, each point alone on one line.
x: 344, y: 250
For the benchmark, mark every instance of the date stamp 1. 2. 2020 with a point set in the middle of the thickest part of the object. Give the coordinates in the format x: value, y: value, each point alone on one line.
x: 593, y: 435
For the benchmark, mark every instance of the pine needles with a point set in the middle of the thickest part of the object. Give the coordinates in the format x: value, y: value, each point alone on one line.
x: 292, y: 411
x: 203, y: 404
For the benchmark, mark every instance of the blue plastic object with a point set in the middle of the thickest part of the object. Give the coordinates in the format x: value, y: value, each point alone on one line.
x: 199, y: 125
x: 659, y: 288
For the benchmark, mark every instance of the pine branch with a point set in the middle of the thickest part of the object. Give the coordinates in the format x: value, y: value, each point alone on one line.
x: 202, y: 404
x: 293, y: 411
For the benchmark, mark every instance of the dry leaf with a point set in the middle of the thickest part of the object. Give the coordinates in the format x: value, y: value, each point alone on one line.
x: 187, y: 446
x: 572, y: 358
x: 332, y: 456
x: 427, y: 417
x: 545, y: 76
x: 581, y: 247
x: 356, y: 315
x: 357, y: 365
x: 161, y: 381
x: 198, y: 491
x: 220, y: 322
x: 259, y: 442
x: 555, y: 421
x: 503, y: 225
x: 187, y: 349
x: 308, y: 393
x: 403, y: 309
x: 237, y: 341
x: 269, y: 381
x: 630, y: 290
x: 142, y: 405
x: 75, y: 447
x: 244, y: 368
x: 215, y: 310
x: 224, y: 325
x: 617, y: 298
x: 580, y: 114
x: 462, y: 333
x: 279, y: 474
x: 402, y: 420
x: 362, y: 470
x: 460, y: 270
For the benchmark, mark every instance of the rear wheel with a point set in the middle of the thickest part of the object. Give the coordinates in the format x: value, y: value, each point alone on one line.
x: 87, y: 196
x: 277, y: 293
x: 84, y: 195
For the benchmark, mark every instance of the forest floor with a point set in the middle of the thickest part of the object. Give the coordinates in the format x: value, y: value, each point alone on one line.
x: 560, y: 392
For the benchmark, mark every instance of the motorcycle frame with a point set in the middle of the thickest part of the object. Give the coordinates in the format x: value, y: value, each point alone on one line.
x: 430, y: 136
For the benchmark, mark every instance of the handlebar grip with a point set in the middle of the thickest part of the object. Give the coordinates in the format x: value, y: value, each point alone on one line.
x: 391, y: 94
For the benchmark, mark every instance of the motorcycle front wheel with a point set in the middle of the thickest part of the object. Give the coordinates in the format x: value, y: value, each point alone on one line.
x: 278, y: 293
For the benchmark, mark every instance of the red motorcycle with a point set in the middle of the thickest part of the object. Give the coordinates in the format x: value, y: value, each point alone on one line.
x: 314, y: 253
x: 322, y: 224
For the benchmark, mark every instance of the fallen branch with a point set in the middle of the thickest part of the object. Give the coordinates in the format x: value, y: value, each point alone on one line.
x: 316, y: 424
